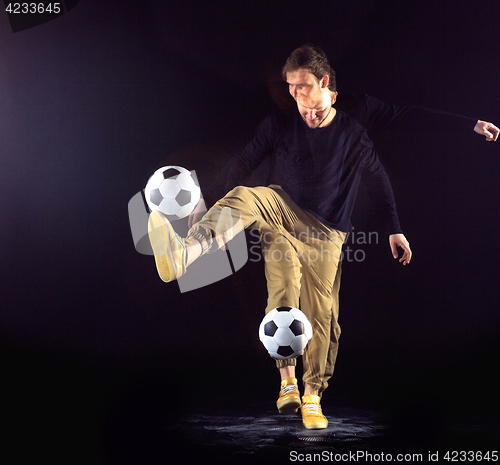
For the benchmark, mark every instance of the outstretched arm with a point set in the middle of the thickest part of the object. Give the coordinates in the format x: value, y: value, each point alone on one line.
x: 375, y: 115
x: 487, y: 129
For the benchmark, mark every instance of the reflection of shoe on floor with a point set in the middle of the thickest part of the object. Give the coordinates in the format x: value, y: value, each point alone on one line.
x: 168, y: 247
x: 289, y: 399
x: 312, y: 416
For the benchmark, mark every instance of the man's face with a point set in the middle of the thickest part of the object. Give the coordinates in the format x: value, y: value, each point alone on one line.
x: 302, y: 83
x: 314, y: 100
x: 314, y: 111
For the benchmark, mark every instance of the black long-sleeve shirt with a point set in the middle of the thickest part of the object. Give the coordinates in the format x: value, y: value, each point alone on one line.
x: 319, y: 168
x: 373, y: 115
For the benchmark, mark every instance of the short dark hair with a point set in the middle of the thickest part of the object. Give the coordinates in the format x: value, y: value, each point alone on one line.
x: 313, y: 59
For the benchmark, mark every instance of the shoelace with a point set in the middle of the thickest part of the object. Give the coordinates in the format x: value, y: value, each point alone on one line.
x: 288, y: 389
x: 312, y: 409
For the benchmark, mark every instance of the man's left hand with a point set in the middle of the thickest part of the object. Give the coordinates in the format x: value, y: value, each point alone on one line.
x: 399, y: 240
x: 487, y: 129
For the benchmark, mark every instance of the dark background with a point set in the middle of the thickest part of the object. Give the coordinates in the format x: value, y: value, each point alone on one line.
x: 93, y: 344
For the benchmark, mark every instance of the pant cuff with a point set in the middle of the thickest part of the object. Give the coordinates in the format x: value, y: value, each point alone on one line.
x: 287, y: 362
x: 316, y: 386
x: 206, y: 244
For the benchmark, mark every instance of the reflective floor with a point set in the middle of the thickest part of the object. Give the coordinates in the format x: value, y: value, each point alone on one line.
x: 261, y: 435
x: 146, y: 418
x: 269, y: 435
x: 74, y: 413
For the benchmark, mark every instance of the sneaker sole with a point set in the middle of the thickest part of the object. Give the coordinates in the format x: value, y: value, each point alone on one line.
x: 289, y: 405
x: 321, y: 426
x: 158, y: 236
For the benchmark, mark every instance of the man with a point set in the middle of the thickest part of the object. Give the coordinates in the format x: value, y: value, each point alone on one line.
x: 320, y: 156
x: 373, y: 114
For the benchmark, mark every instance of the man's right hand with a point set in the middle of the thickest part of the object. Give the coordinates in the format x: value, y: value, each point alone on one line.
x: 197, y: 214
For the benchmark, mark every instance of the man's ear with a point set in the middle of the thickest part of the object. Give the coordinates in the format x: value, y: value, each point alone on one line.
x: 334, y: 97
x: 324, y: 81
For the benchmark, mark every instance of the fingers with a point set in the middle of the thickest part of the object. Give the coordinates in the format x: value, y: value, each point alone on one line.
x: 193, y: 219
x: 487, y: 129
x: 197, y: 213
x: 399, y: 240
x: 406, y: 258
x: 490, y: 131
x: 492, y: 134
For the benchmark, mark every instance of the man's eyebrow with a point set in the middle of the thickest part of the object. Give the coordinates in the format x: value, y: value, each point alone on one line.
x: 321, y: 108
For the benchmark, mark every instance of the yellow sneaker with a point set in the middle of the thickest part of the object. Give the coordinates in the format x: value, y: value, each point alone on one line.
x: 289, y: 400
x: 312, y: 416
x: 168, y: 247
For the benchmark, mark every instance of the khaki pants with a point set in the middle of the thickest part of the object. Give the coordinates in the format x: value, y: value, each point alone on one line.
x: 302, y: 266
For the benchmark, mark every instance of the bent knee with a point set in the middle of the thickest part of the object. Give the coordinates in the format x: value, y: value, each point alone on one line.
x: 239, y: 191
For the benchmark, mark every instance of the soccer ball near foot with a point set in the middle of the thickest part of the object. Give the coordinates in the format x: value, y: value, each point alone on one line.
x: 285, y: 332
x: 173, y: 191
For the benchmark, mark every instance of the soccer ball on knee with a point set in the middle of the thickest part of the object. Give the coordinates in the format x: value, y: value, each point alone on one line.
x: 285, y: 332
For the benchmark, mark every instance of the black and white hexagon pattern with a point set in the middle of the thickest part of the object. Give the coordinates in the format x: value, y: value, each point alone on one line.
x: 173, y: 191
x: 285, y: 332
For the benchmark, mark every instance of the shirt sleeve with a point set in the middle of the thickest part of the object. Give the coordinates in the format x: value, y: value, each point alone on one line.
x: 375, y: 115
